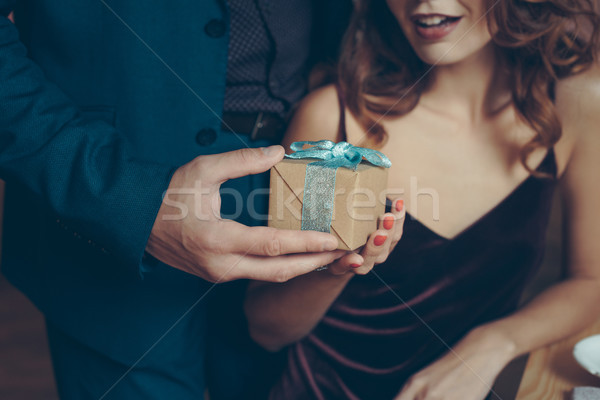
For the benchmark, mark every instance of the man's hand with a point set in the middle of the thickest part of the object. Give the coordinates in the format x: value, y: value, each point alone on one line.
x: 190, y: 235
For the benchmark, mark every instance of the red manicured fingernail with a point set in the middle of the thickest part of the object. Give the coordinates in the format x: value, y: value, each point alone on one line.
x: 379, y: 240
x: 388, y: 223
x: 355, y: 265
x: 399, y: 205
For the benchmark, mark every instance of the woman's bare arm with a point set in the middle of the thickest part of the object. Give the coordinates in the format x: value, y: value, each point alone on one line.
x: 469, y: 370
x: 571, y: 305
x: 280, y: 314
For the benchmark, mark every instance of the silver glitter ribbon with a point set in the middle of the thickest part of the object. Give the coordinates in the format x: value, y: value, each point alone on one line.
x: 319, y: 183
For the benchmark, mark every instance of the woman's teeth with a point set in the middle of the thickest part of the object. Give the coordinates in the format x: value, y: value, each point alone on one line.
x: 434, y: 20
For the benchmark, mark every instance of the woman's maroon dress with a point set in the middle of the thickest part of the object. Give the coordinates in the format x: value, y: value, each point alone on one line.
x: 387, y: 325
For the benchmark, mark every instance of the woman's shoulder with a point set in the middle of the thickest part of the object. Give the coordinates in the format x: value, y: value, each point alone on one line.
x: 577, y: 102
x: 578, y: 96
x: 577, y: 105
x: 318, y: 117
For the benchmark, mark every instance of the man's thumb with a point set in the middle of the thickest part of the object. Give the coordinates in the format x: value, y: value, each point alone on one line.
x: 238, y: 163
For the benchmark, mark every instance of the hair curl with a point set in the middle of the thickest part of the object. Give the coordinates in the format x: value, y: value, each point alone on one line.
x: 541, y: 41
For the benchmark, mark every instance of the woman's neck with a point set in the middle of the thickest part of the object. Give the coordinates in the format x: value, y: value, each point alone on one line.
x: 470, y: 90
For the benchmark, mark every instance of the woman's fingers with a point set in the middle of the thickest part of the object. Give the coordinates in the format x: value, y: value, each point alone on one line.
x: 410, y: 391
x: 375, y: 247
x: 387, y: 223
x: 399, y: 212
x: 393, y: 223
x: 349, y: 262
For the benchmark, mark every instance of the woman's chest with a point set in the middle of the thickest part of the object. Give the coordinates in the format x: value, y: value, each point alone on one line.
x: 449, y: 175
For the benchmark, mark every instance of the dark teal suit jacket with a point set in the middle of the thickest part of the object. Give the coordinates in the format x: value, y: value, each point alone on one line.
x: 88, y: 143
x: 100, y: 102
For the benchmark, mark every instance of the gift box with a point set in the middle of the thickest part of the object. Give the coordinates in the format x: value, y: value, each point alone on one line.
x: 329, y: 188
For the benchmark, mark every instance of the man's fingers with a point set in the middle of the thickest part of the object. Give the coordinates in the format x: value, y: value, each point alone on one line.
x: 283, y: 268
x: 238, y: 163
x: 264, y: 241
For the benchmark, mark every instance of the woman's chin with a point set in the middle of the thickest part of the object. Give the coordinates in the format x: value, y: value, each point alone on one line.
x: 449, y: 54
x: 438, y: 56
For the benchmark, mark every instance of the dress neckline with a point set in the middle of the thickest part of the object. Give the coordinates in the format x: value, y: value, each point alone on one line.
x: 543, y: 167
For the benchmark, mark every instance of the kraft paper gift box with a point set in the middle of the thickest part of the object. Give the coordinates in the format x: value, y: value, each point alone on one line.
x: 358, y: 201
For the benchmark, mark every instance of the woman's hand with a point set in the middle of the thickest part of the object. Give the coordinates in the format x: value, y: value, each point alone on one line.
x: 378, y: 247
x: 465, y: 373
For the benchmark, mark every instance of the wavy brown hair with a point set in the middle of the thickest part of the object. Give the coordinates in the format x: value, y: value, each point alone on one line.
x: 540, y: 41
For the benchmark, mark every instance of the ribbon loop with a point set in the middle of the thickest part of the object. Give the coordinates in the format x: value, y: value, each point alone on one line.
x: 343, y: 154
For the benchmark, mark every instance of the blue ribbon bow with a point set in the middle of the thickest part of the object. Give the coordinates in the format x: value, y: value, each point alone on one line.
x: 319, y: 183
x: 341, y: 154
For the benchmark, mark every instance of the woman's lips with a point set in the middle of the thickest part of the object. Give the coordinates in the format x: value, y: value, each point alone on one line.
x: 428, y: 27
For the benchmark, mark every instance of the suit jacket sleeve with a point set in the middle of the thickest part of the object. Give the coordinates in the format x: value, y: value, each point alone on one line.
x: 80, y: 169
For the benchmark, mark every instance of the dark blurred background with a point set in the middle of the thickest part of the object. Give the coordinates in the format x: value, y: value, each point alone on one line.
x: 25, y: 368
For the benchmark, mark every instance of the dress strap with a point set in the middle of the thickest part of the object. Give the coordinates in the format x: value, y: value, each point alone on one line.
x: 342, y: 123
x: 548, y: 165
